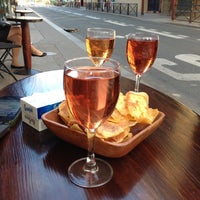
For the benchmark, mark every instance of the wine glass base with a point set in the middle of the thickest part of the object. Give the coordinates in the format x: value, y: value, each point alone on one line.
x: 85, y: 179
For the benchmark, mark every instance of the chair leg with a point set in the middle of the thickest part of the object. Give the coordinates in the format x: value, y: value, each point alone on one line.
x: 6, y: 70
x: 2, y: 60
x: 1, y: 75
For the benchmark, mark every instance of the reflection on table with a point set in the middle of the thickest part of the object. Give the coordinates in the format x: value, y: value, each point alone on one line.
x: 164, y: 166
x: 26, y: 41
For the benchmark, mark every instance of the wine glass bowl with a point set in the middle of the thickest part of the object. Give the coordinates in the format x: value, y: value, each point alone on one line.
x: 100, y: 42
x: 141, y: 51
x: 91, y: 93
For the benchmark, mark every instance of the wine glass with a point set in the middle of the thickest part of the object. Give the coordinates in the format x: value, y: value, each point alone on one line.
x: 91, y: 93
x: 100, y: 42
x: 141, y: 50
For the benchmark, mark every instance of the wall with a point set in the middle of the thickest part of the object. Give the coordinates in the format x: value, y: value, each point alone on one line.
x: 166, y: 7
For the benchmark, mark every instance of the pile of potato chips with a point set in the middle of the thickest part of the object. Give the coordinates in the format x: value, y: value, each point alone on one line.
x: 131, y: 109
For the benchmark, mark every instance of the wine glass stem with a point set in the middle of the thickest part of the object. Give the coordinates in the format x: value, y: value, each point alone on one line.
x: 137, y: 83
x: 90, y: 165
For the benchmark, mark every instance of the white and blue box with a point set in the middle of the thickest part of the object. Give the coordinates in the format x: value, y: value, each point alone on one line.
x: 33, y: 107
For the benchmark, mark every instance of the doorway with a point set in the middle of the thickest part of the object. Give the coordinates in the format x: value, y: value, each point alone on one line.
x: 153, y: 5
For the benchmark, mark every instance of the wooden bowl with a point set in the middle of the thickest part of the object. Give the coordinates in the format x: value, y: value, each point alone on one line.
x: 107, y: 149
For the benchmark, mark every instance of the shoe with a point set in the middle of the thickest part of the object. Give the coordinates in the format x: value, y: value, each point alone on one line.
x: 44, y: 54
x: 16, y: 67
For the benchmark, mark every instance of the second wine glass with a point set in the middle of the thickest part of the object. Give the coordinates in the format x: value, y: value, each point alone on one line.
x: 141, y: 50
x: 100, y: 42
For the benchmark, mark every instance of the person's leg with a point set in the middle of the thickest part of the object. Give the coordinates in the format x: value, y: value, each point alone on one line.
x: 15, y: 36
x: 37, y: 52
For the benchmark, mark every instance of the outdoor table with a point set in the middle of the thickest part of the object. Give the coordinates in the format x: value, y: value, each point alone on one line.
x: 26, y: 41
x: 23, y: 12
x: 165, y: 165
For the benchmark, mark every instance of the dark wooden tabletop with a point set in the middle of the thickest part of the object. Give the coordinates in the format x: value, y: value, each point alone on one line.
x: 166, y: 165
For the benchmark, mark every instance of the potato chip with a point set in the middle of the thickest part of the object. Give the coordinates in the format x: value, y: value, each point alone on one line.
x: 137, y: 104
x: 134, y: 99
x: 65, y: 114
x: 121, y: 137
x: 76, y: 127
x: 121, y: 105
x: 108, y: 130
x: 112, y: 132
x: 150, y: 116
x: 116, y: 116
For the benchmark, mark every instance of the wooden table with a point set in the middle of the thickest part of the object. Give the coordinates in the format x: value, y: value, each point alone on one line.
x: 166, y: 165
x: 26, y: 41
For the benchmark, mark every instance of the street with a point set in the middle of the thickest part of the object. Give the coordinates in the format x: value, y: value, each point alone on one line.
x: 176, y: 71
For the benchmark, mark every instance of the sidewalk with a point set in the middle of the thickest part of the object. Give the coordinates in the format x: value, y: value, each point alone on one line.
x: 61, y: 45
